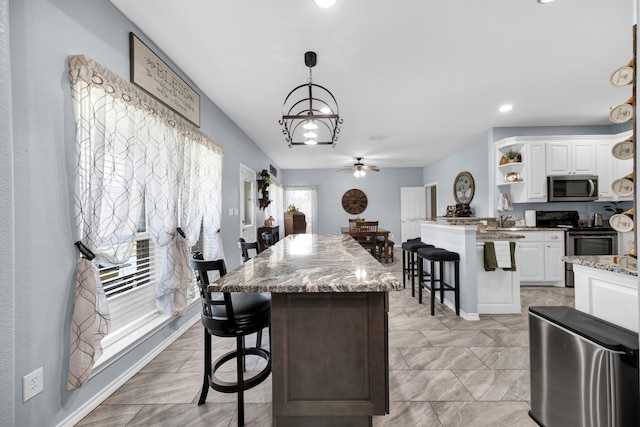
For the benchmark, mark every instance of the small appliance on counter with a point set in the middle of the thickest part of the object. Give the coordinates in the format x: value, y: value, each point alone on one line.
x: 579, y: 240
x: 530, y: 218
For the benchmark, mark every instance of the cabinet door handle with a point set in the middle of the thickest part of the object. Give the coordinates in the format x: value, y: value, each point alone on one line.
x: 554, y: 237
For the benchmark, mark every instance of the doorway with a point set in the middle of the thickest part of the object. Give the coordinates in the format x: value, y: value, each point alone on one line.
x: 247, y: 203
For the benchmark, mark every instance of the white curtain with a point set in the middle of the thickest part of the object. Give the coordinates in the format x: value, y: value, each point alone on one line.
x: 276, y: 207
x: 128, y: 145
x: 304, y: 197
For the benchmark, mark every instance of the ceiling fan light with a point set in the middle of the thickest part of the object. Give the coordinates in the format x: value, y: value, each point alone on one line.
x: 310, y: 134
x: 359, y: 173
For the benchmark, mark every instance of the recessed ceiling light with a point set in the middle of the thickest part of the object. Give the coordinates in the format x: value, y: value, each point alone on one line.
x: 545, y: 1
x: 505, y: 108
x: 325, y: 3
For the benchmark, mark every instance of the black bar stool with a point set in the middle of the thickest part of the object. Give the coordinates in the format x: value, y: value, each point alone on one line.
x: 409, y: 271
x: 441, y: 256
x: 231, y: 314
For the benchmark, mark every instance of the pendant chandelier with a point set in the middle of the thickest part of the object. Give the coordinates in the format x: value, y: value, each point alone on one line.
x: 310, y: 113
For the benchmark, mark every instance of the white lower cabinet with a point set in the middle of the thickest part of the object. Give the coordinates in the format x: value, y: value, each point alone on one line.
x: 608, y: 295
x: 540, y: 258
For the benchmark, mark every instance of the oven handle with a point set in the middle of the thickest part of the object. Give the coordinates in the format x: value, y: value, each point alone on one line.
x: 593, y: 236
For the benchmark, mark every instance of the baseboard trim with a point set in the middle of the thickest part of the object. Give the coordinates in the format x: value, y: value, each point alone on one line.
x: 95, y: 401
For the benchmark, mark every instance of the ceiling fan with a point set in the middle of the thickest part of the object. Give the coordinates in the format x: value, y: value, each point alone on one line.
x: 359, y: 168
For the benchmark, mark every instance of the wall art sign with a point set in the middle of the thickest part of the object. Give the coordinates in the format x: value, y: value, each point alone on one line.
x: 153, y: 75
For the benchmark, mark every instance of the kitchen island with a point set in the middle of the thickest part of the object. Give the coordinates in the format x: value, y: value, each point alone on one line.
x: 605, y: 290
x: 481, y: 292
x: 329, y: 337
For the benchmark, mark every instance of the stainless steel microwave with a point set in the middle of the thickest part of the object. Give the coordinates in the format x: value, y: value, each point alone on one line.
x: 572, y: 188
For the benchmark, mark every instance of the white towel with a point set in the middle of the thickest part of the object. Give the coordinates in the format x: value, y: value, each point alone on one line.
x: 504, y: 202
x: 503, y: 253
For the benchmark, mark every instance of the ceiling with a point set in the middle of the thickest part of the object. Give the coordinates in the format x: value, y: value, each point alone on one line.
x: 415, y: 80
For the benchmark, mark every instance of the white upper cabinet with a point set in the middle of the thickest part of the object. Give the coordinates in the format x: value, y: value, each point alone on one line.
x: 575, y: 157
x: 608, y: 168
x: 526, y: 179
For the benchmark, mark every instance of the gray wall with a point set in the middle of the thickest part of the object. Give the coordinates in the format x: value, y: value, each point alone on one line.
x: 37, y: 198
x: 7, y: 315
x: 473, y: 159
x: 382, y: 190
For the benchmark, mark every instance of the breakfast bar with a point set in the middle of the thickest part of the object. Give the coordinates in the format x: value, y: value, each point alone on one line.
x: 329, y: 337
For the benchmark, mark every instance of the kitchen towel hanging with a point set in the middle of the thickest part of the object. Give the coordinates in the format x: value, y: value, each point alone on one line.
x: 504, y: 202
x: 491, y: 254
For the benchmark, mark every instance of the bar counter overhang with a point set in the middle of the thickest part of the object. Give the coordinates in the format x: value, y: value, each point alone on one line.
x: 329, y: 328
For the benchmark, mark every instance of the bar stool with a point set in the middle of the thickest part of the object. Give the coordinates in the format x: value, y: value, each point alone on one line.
x: 409, y: 249
x: 440, y: 256
x: 236, y: 315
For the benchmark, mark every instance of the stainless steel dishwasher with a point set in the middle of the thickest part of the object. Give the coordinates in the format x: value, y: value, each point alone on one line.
x: 584, y: 371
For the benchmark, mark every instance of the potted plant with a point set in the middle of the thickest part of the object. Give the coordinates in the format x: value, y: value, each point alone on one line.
x: 292, y: 208
x: 614, y: 208
x: 512, y: 156
x: 265, y: 175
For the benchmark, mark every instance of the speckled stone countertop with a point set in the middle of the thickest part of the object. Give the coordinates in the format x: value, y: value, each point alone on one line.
x: 310, y: 263
x: 600, y: 262
x: 497, y: 235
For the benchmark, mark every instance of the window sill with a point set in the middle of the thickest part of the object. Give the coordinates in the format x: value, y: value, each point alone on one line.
x: 119, y: 343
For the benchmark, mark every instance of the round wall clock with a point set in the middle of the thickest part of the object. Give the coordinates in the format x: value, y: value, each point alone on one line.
x: 354, y: 201
x: 464, y: 187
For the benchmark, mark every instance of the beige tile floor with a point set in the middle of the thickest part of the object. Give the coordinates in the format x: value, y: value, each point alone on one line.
x: 444, y: 371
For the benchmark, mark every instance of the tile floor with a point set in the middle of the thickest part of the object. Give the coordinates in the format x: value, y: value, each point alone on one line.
x: 444, y: 371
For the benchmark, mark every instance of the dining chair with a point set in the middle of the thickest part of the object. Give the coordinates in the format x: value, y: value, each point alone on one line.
x: 236, y: 315
x: 269, y: 239
x: 366, y: 235
x: 352, y: 224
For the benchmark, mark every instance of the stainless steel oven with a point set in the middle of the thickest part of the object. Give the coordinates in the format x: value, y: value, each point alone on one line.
x: 589, y: 241
x: 579, y: 240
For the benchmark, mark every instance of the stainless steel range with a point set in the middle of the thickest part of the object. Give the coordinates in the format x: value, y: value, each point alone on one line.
x: 601, y: 240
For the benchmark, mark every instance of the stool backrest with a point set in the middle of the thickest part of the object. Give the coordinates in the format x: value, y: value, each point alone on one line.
x: 245, y: 247
x: 208, y: 299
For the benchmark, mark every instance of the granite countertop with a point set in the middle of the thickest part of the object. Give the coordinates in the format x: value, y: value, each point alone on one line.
x: 310, y: 263
x: 497, y: 235
x: 600, y: 262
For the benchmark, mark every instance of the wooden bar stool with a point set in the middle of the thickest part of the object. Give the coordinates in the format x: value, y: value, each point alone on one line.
x: 409, y: 270
x: 440, y: 256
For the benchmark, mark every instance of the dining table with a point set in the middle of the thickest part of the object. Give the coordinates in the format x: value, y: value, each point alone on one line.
x: 329, y: 328
x: 381, y: 232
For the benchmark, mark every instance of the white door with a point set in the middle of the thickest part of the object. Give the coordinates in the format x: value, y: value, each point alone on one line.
x: 248, y: 202
x: 412, y: 205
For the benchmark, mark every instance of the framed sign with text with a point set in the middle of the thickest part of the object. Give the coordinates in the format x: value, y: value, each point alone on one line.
x: 153, y: 75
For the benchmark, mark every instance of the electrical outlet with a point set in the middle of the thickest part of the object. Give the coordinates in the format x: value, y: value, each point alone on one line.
x: 32, y: 384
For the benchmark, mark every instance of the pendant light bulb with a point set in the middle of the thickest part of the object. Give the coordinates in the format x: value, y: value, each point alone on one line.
x: 310, y: 134
x: 311, y: 141
x: 310, y: 125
